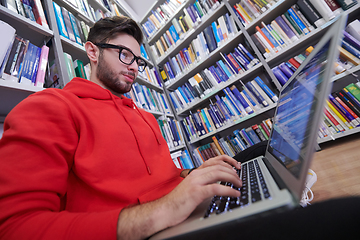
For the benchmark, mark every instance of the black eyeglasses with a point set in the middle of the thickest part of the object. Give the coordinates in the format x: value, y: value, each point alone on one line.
x: 126, y: 56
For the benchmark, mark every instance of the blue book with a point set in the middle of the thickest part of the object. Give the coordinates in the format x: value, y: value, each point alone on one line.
x: 247, y: 54
x: 226, y: 70
x: 197, y: 119
x: 214, y: 118
x: 292, y: 68
x: 187, y: 93
x: 246, y: 137
x: 350, y: 48
x: 173, y: 130
x: 195, y: 12
x: 191, y: 14
x: 270, y: 37
x: 187, y: 100
x: 190, y: 126
x: 280, y: 75
x: 174, y: 34
x: 206, y: 120
x: 26, y: 66
x: 215, y: 74
x: 177, y: 107
x: 239, y: 139
x: 143, y: 52
x: 186, y: 130
x: 187, y: 56
x: 283, y: 25
x: 60, y: 21
x: 251, y: 133
x: 235, y: 100
x: 266, y: 89
x: 36, y: 65
x: 187, y: 158
x: 218, y: 114
x: 230, y: 106
x: 221, y: 72
x: 241, y: 59
x: 231, y: 101
x: 246, y: 94
x: 257, y: 95
x: 286, y: 70
x: 236, y: 61
x: 170, y: 71
x: 210, y: 38
x: 217, y: 38
x: 298, y: 21
x: 222, y: 107
x: 241, y: 99
x: 280, y: 40
x: 239, y: 17
x: 75, y: 28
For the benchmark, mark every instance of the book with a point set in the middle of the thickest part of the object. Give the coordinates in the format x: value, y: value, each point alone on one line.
x: 75, y: 28
x: 286, y: 28
x: 348, y: 56
x: 210, y: 38
x: 79, y: 68
x: 60, y: 20
x: 354, y: 90
x: 39, y: 14
x: 323, y: 9
x: 353, y: 28
x: 69, y: 66
x: 346, y: 4
x: 6, y: 41
x: 280, y: 75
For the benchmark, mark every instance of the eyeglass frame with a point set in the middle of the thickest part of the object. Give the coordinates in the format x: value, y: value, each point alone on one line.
x: 107, y: 45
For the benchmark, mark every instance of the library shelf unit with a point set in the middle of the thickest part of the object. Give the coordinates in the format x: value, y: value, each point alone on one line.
x: 262, y: 69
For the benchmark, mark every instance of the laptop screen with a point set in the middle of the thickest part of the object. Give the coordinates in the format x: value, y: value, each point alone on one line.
x: 294, y: 114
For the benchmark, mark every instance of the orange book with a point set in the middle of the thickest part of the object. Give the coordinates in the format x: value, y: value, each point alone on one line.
x: 262, y: 34
x: 217, y: 145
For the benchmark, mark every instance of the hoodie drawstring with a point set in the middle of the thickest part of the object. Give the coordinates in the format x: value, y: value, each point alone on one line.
x: 130, y: 103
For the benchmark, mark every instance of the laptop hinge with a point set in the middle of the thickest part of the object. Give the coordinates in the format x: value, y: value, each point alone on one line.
x: 280, y: 183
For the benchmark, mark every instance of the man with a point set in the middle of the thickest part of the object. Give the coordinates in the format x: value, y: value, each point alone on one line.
x: 85, y: 163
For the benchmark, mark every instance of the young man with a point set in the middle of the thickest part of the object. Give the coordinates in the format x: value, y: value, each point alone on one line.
x: 85, y: 163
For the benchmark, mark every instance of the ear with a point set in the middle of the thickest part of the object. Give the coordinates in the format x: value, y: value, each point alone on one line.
x: 92, y: 51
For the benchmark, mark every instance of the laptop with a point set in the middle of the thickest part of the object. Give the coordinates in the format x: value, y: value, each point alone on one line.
x: 281, y: 173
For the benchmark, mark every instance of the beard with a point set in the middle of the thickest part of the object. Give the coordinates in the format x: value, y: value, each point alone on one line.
x: 111, y: 79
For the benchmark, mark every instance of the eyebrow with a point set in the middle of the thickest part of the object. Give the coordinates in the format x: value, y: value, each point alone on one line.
x: 139, y: 56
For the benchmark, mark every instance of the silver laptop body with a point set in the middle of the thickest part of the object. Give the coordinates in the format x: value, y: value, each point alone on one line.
x: 291, y: 144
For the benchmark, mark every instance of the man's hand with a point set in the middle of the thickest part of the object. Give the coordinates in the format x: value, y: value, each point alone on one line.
x: 144, y: 220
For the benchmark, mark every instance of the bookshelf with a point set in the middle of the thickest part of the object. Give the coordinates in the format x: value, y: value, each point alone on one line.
x: 262, y: 69
x: 11, y: 93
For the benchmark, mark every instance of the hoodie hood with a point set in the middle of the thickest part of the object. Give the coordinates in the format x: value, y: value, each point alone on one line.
x: 87, y: 89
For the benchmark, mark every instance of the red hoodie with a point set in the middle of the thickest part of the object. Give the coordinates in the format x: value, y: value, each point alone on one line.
x: 71, y: 159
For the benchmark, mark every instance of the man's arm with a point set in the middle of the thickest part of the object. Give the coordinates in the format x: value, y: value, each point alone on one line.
x: 144, y: 220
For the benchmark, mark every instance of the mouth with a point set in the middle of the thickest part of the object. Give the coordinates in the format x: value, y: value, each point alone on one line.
x: 129, y: 77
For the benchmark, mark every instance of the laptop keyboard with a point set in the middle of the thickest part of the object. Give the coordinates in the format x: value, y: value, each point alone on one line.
x: 254, y: 189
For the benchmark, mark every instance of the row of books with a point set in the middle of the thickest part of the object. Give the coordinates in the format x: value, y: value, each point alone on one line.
x: 148, y: 99
x: 207, y: 41
x: 182, y: 159
x: 285, y: 29
x: 171, y: 131
x: 89, y: 11
x: 76, y: 68
x: 234, y: 143
x: 212, y: 79
x: 152, y: 76
x: 342, y: 111
x: 161, y: 15
x: 248, y: 10
x: 21, y: 60
x: 233, y: 105
x: 69, y: 26
x: 31, y: 9
x: 234, y: 63
x: 349, y: 55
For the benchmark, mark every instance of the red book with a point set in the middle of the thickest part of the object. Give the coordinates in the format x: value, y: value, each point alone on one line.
x: 295, y: 63
x: 234, y: 62
x: 333, y: 120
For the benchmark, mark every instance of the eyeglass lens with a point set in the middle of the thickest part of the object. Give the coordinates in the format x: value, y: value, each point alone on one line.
x: 128, y: 57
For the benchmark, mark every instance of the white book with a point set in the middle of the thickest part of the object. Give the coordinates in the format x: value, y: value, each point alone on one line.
x: 224, y: 30
x: 6, y: 40
x: 211, y: 77
x: 265, y: 42
x: 281, y: 33
x: 354, y: 29
x: 262, y: 93
x: 323, y: 9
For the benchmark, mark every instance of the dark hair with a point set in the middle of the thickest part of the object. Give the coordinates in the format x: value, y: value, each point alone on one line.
x: 108, y: 28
